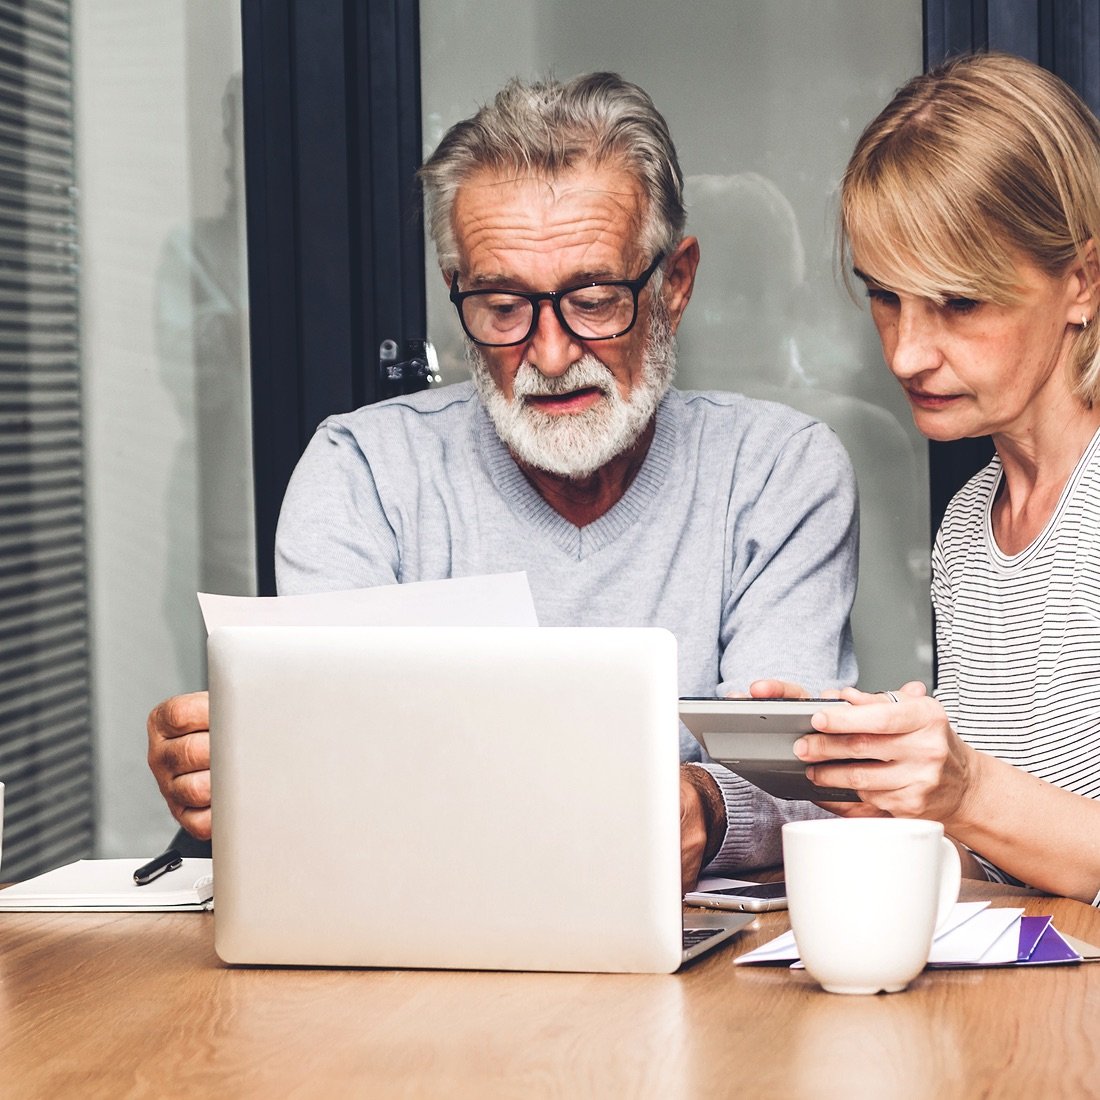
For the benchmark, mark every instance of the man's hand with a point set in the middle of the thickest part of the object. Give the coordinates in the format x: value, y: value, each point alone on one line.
x: 179, y: 757
x: 702, y: 822
x: 784, y: 689
x: 777, y: 689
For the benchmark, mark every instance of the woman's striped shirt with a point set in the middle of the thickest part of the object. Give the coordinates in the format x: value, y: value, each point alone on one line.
x: 1018, y: 636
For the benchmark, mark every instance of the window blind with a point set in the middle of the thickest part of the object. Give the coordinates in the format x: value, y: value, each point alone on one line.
x: 45, y: 713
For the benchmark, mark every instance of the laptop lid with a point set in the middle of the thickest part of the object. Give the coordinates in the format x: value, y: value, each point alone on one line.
x: 488, y: 798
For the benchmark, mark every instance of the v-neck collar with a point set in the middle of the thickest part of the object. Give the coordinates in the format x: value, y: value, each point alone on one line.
x: 581, y: 542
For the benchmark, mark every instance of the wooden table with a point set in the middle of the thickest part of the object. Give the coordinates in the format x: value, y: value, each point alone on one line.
x: 135, y: 1005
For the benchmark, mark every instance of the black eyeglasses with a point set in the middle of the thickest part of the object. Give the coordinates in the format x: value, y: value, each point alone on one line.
x: 591, y: 311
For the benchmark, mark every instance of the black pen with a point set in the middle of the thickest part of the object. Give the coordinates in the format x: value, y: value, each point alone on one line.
x: 151, y: 871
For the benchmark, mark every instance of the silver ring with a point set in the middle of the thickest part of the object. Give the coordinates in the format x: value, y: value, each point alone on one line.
x: 893, y: 696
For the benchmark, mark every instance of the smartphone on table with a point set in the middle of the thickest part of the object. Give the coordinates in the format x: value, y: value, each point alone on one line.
x: 754, y: 897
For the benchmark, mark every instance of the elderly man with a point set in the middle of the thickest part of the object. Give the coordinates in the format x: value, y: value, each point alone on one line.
x: 558, y: 220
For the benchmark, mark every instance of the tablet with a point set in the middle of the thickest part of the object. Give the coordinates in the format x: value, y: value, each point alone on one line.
x: 755, y: 739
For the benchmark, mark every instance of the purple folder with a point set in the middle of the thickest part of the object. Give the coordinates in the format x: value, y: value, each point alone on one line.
x: 1040, y: 943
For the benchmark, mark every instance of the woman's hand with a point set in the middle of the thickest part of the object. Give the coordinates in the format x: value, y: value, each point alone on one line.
x: 902, y: 757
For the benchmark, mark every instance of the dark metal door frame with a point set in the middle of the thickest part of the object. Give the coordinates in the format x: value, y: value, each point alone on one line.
x: 335, y: 244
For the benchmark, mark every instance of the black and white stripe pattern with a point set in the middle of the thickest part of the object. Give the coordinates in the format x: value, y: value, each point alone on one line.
x: 1018, y: 636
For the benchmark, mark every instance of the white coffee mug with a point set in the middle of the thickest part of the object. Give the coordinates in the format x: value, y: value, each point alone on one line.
x: 865, y: 896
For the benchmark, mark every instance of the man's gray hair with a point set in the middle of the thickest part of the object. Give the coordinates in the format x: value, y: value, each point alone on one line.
x: 548, y: 128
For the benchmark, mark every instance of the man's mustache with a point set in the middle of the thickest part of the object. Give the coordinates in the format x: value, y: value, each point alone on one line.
x: 529, y: 381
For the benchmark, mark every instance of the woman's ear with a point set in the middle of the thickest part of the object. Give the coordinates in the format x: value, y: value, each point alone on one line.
x: 1084, y: 286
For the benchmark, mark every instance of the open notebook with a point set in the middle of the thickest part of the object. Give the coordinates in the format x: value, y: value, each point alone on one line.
x: 96, y: 885
x: 485, y: 798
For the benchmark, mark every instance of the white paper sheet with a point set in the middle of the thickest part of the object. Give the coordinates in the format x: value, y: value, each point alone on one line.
x: 964, y: 936
x: 502, y: 599
x: 990, y: 937
x: 781, y: 949
x: 959, y: 914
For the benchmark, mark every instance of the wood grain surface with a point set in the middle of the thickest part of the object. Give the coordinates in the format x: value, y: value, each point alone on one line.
x: 138, y: 1005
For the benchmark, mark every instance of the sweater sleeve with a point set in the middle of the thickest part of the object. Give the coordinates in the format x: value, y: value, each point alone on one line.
x: 333, y: 533
x: 788, y: 616
x: 753, y: 822
x: 796, y: 551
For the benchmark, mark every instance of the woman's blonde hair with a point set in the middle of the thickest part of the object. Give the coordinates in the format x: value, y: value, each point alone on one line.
x: 982, y: 162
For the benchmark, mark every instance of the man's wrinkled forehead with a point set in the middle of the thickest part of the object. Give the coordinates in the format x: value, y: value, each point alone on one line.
x: 521, y: 208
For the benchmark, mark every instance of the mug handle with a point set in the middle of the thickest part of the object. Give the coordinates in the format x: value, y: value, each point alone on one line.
x: 950, y: 880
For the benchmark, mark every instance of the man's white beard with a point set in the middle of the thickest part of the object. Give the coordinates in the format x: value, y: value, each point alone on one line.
x: 575, y: 445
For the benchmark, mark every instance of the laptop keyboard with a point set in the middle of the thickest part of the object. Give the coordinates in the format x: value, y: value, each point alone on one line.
x: 695, y: 936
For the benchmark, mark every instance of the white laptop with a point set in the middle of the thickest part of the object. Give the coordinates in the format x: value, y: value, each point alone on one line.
x: 472, y: 798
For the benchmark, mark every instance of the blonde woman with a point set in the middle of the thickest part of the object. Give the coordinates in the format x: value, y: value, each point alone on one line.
x: 970, y: 213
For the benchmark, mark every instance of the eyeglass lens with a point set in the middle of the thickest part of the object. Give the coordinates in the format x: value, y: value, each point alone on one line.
x: 497, y: 317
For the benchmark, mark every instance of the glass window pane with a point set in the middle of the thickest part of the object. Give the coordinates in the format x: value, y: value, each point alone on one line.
x: 765, y: 102
x: 164, y: 350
